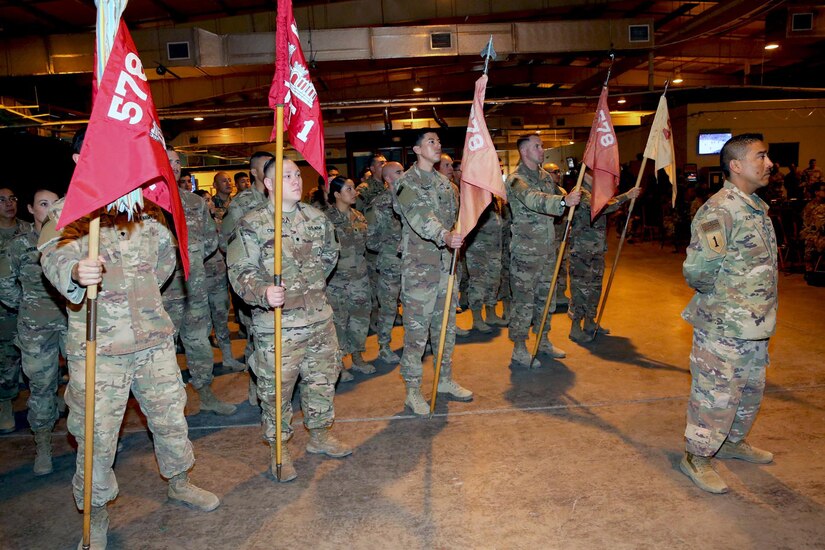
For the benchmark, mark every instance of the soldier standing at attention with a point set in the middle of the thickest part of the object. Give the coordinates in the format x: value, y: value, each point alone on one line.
x: 186, y: 301
x: 348, y: 289
x: 135, y: 350
x: 10, y: 227
x: 366, y: 193
x: 428, y: 205
x: 534, y: 200
x: 310, y: 348
x: 41, y: 327
x: 732, y: 265
x: 222, y: 184
x: 384, y: 239
x: 462, y: 278
x: 483, y: 255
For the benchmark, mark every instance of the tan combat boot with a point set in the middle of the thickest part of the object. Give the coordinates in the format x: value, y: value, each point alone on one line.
x: 210, y: 402
x: 6, y: 417
x: 590, y: 328
x: 577, y: 334
x: 450, y: 387
x: 322, y: 442
x: 522, y: 358
x: 386, y: 355
x: 700, y: 470
x: 181, y: 490
x: 359, y: 365
x: 478, y: 322
x: 492, y: 317
x: 743, y: 451
x: 229, y: 362
x: 416, y: 402
x: 346, y: 376
x: 43, y: 453
x: 288, y: 472
x: 98, y: 534
x: 546, y: 347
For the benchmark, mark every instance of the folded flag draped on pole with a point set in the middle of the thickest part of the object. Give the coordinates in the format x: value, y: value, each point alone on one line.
x: 124, y: 149
x: 292, y: 87
x: 660, y: 144
x: 602, y: 156
x: 480, y: 171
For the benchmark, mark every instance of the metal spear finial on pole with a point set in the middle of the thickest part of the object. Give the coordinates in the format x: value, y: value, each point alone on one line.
x: 488, y: 53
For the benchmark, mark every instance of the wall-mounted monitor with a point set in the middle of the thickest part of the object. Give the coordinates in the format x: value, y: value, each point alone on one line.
x: 711, y: 141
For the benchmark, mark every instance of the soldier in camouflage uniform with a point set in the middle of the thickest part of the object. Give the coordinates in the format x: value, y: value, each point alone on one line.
x: 384, y: 239
x: 10, y: 227
x: 561, y: 222
x: 222, y: 198
x: 186, y: 301
x: 41, y: 327
x: 462, y: 277
x: 366, y: 193
x: 348, y: 289
x: 483, y: 255
x: 310, y: 347
x: 732, y: 265
x: 135, y: 350
x: 588, y: 246
x: 813, y: 228
x: 504, y: 292
x: 534, y: 200
x: 428, y: 205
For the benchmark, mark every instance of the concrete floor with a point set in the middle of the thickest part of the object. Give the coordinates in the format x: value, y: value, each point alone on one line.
x: 581, y: 454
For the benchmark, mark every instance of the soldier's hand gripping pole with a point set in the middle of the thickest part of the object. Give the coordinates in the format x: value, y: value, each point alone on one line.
x: 619, y: 249
x: 278, y: 187
x: 559, y: 260
x: 445, y: 318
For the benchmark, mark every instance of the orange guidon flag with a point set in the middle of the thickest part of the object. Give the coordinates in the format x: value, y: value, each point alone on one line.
x: 602, y: 156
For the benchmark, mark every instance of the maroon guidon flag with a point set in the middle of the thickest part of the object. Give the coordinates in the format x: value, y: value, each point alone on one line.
x: 602, y: 156
x: 292, y: 87
x: 124, y: 147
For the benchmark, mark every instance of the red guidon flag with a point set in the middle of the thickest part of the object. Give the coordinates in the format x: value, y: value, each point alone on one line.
x: 602, y: 156
x: 292, y: 87
x: 480, y: 171
x: 124, y: 148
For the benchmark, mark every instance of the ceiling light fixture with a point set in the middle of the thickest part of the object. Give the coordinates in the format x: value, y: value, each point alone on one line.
x: 198, y: 118
x: 418, y: 88
x: 677, y: 78
x: 413, y: 109
x: 621, y: 101
x: 771, y: 46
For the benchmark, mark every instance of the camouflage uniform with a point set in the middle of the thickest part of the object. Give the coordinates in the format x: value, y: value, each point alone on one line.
x: 534, y: 200
x: 41, y: 325
x: 310, y: 347
x: 428, y: 205
x: 186, y: 301
x: 731, y: 263
x: 384, y: 239
x: 217, y: 289
x: 588, y: 245
x: 483, y: 255
x: 813, y: 233
x: 9, y: 354
x: 504, y: 292
x: 134, y: 340
x: 221, y: 206
x: 366, y: 193
x: 348, y: 289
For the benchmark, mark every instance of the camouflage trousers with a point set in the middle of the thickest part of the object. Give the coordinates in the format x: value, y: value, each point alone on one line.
x: 154, y: 378
x: 372, y: 271
x: 561, y: 284
x: 388, y: 267
x: 462, y: 279
x: 351, y: 302
x: 728, y: 380
x: 530, y: 278
x: 217, y: 290
x: 504, y: 290
x: 586, y: 275
x: 9, y: 356
x: 190, y: 315
x: 423, y: 295
x: 484, y: 270
x: 309, y: 353
x: 40, y: 349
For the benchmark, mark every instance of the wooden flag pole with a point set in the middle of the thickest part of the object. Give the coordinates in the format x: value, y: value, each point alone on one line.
x: 445, y: 317
x: 278, y: 188
x: 559, y: 260
x: 619, y: 249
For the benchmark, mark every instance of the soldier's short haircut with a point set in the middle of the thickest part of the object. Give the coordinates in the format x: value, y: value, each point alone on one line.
x: 239, y: 175
x: 523, y: 140
x: 419, y: 137
x: 255, y: 156
x: 270, y: 165
x: 375, y: 155
x: 77, y: 140
x: 735, y: 149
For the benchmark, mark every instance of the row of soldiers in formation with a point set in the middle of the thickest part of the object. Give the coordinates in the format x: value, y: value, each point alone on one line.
x: 338, y: 265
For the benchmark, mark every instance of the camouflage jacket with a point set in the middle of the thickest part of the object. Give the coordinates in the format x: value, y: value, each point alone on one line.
x: 487, y: 232
x: 203, y: 241
x: 351, y: 234
x: 813, y: 222
x: 428, y: 205
x: 23, y: 286
x: 309, y: 254
x: 383, y: 226
x: 585, y: 235
x: 6, y: 236
x: 139, y: 256
x: 534, y: 199
x: 221, y: 206
x: 244, y: 202
x: 731, y: 263
x: 367, y: 192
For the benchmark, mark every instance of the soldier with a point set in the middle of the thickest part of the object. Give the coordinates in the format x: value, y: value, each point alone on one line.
x: 534, y: 199
x: 41, y: 327
x: 310, y: 348
x: 732, y: 265
x: 384, y: 239
x: 588, y: 245
x: 135, y: 351
x: 10, y: 227
x: 504, y: 292
x: 561, y: 285
x: 374, y: 185
x: 813, y: 229
x: 483, y: 254
x: 348, y: 289
x: 445, y: 168
x: 223, y: 194
x: 242, y: 182
x: 428, y: 205
x: 186, y: 301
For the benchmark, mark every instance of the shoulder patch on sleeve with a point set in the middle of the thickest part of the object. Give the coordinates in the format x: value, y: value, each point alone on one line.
x: 714, y: 236
x: 405, y: 195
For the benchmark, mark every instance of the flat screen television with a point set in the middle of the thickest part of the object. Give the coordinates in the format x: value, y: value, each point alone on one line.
x: 711, y: 141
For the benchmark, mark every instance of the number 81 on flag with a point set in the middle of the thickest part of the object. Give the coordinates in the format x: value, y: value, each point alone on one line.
x: 121, y: 109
